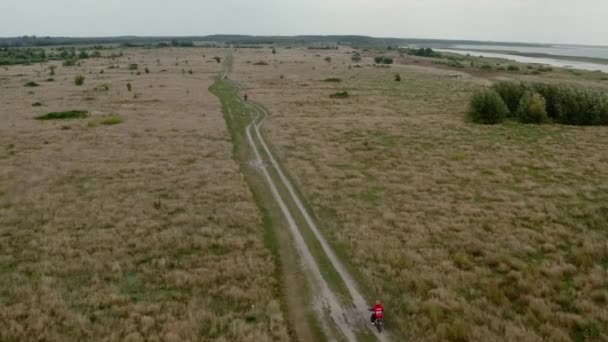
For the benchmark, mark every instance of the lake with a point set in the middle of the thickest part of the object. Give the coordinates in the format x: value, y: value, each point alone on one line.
x: 556, y: 50
x: 561, y: 63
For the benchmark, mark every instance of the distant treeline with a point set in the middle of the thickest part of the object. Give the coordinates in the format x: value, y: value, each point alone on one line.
x: 355, y: 41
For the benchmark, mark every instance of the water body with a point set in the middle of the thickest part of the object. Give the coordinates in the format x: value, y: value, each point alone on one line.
x: 556, y: 50
x: 560, y: 63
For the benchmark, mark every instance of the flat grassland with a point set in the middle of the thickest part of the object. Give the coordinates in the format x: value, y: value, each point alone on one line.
x: 133, y: 223
x: 466, y: 232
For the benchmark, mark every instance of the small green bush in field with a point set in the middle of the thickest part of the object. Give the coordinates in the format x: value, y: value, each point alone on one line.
x: 487, y: 107
x: 339, y: 95
x: 383, y: 60
x: 72, y: 114
x: 532, y: 108
x: 79, y: 80
x: 111, y: 120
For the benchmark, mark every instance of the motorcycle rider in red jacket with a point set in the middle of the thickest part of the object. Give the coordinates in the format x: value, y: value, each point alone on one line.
x: 377, y: 311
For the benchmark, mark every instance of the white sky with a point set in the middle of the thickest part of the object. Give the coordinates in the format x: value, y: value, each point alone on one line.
x: 545, y: 21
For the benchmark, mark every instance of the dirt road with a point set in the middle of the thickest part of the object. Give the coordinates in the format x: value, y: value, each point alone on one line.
x: 347, y: 318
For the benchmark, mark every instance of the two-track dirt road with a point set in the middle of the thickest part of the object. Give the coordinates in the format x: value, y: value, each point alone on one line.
x: 347, y: 318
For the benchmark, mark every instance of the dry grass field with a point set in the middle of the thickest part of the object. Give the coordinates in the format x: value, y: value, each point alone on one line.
x: 466, y: 232
x: 134, y: 223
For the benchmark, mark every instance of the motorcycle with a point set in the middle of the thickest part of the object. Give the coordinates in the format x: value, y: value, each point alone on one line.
x: 379, y: 323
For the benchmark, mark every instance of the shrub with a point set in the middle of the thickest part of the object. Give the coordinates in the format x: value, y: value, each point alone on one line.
x: 511, y: 93
x: 133, y: 66
x: 146, y: 70
x: 72, y: 114
x: 532, y: 108
x: 339, y: 95
x: 397, y: 78
x: 260, y: 63
x: 50, y: 79
x: 327, y: 59
x: 578, y: 107
x: 487, y: 107
x: 112, y: 119
x: 356, y: 57
x: 383, y: 60
x: 551, y: 93
x: 129, y: 87
x: 31, y: 84
x: 68, y: 62
x: 52, y: 70
x: 332, y: 79
x: 36, y: 104
x: 513, y: 68
x: 274, y: 51
x: 423, y: 52
x: 79, y: 80
x: 563, y: 104
x: 486, y: 67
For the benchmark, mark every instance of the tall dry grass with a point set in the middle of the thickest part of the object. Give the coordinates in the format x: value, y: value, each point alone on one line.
x: 140, y: 231
x: 465, y: 232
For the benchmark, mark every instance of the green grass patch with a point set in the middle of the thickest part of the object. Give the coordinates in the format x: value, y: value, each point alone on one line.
x: 340, y: 95
x: 113, y: 119
x: 71, y: 114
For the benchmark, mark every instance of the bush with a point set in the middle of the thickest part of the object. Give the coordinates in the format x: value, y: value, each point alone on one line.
x: 487, y: 107
x: 146, y: 70
x: 383, y: 60
x: 260, y: 63
x: 563, y: 104
x: 356, y: 57
x: 513, y: 68
x: 129, y: 87
x: 68, y: 62
x: 532, y: 108
x: 332, y: 79
x: 111, y: 120
x: 339, y: 95
x: 423, y: 52
x: 327, y: 59
x: 79, y: 80
x: 511, y: 94
x: 133, y: 66
x: 72, y: 114
x: 397, y: 78
x: 31, y: 84
x: 486, y: 67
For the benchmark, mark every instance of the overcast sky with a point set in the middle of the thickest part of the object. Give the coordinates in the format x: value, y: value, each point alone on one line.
x: 550, y: 21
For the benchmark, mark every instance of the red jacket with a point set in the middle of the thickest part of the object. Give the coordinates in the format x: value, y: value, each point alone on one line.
x: 378, y: 310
